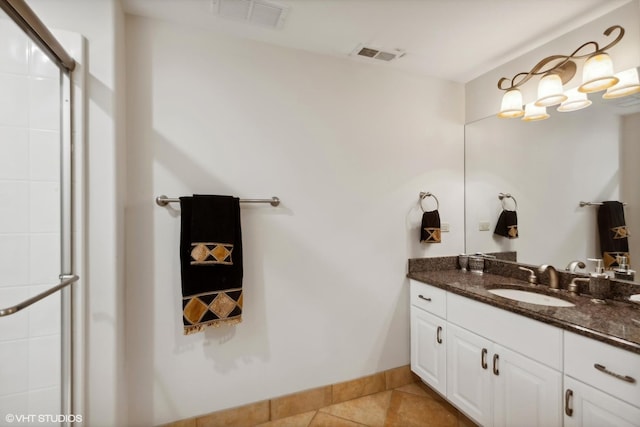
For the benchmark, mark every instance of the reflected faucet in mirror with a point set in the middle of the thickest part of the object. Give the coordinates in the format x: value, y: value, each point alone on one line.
x: 573, y: 265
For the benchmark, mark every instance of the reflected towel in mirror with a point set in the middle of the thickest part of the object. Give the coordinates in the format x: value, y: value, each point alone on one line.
x: 507, y: 225
x: 613, y: 233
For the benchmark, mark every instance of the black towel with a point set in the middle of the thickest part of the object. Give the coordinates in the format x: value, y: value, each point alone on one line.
x: 507, y: 224
x: 430, y: 229
x: 613, y: 233
x: 211, y: 261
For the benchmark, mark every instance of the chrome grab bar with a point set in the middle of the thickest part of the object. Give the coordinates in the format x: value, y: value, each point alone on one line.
x: 66, y: 280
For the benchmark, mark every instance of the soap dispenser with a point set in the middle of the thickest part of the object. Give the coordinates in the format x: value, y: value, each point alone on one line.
x: 599, y: 284
x: 623, y: 271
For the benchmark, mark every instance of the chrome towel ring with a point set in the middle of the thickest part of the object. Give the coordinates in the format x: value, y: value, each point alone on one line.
x: 503, y: 196
x: 424, y: 195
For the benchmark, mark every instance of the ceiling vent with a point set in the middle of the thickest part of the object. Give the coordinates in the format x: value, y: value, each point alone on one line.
x: 258, y: 12
x: 382, y: 55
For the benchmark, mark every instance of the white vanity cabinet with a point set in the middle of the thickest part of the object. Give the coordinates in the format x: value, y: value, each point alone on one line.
x: 468, y: 377
x: 500, y: 368
x: 503, y: 369
x: 602, y: 384
x: 429, y: 335
x: 586, y: 406
x: 497, y: 386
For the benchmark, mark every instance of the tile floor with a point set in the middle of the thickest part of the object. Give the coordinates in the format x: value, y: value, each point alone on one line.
x: 411, y: 405
x: 392, y: 398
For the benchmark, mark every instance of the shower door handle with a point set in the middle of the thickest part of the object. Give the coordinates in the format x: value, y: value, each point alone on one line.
x: 66, y: 280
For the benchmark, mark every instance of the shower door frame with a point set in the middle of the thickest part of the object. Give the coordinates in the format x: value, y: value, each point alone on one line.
x: 27, y: 20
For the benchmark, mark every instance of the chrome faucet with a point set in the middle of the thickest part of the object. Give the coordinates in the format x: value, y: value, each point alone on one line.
x: 553, y: 276
x: 575, y: 264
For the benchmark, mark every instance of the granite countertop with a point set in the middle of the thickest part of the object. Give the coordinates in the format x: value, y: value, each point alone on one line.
x: 616, y: 323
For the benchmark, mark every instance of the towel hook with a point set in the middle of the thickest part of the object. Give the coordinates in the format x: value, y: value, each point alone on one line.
x: 503, y: 196
x: 424, y: 195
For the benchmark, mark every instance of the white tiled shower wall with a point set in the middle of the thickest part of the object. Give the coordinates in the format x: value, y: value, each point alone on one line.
x: 29, y: 225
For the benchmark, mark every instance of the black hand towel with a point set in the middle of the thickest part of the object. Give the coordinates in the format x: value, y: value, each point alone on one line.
x: 430, y: 229
x: 211, y: 261
x: 613, y: 233
x: 507, y: 224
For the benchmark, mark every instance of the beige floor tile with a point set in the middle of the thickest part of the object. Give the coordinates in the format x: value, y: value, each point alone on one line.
x: 413, y: 388
x: 369, y: 410
x: 191, y: 422
x: 360, y: 387
x: 248, y: 415
x: 399, y: 376
x: 431, y: 392
x: 327, y: 420
x: 300, y: 420
x: 298, y: 403
x: 463, y: 421
x: 409, y: 410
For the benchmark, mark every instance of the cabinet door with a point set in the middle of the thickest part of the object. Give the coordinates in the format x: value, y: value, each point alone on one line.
x: 468, y: 373
x: 428, y: 349
x: 526, y: 392
x: 586, y: 406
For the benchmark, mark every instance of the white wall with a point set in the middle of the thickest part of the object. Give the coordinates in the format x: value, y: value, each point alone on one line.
x: 30, y: 225
x: 100, y: 22
x: 346, y: 147
x: 630, y: 172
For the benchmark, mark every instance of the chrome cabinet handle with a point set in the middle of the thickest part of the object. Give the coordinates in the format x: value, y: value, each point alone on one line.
x: 424, y: 298
x: 567, y: 398
x: 604, y: 369
x: 483, y: 358
x: 438, y: 337
x: 496, y: 371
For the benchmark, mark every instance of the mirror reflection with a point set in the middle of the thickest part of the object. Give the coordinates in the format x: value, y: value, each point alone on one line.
x: 549, y: 167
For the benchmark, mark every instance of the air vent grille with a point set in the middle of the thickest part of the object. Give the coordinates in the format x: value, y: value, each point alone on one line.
x: 379, y: 54
x: 258, y: 12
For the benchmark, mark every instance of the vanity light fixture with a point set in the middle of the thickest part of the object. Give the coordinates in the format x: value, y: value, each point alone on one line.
x: 550, y: 91
x: 628, y: 84
x: 557, y: 70
x: 576, y: 100
x: 533, y: 113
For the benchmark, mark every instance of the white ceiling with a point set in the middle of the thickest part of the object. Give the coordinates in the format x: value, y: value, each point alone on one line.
x: 456, y: 40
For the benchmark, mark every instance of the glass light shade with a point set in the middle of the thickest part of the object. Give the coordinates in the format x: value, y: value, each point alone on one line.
x: 533, y: 113
x: 550, y: 91
x: 511, y: 105
x: 575, y: 101
x: 597, y: 73
x: 628, y: 84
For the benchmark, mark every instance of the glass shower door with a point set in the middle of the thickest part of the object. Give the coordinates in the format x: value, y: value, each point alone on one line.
x: 32, y: 161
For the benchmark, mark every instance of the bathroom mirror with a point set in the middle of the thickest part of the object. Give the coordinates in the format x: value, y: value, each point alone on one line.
x: 549, y: 166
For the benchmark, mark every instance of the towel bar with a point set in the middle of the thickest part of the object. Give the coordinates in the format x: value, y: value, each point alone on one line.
x: 583, y: 204
x: 164, y: 200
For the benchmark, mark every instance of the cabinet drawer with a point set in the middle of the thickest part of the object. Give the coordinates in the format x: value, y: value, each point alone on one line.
x: 610, y: 369
x: 429, y: 298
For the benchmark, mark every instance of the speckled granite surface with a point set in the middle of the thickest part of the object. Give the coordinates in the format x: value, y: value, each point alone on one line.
x: 616, y: 323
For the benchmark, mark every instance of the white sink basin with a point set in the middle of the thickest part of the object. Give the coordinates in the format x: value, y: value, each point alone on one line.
x: 531, y: 297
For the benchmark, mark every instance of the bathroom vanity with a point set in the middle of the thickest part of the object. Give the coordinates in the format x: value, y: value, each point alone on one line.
x: 506, y: 363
